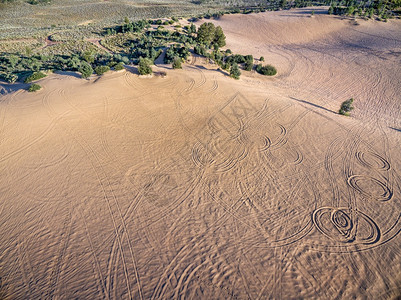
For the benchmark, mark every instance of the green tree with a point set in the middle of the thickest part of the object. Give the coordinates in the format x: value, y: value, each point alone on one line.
x: 85, y: 69
x: 346, y: 107
x: 262, y: 58
x: 331, y: 10
x: 34, y: 87
x: 144, y: 66
x: 219, y: 37
x: 177, y: 63
x: 206, y: 33
x: 234, y: 71
x: 100, y: 70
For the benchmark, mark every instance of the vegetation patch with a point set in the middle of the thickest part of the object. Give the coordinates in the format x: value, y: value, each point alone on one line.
x: 346, y: 107
x: 34, y: 87
x: 35, y: 76
x: 268, y: 70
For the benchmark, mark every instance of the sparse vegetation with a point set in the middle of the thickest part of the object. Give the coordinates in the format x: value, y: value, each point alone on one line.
x: 34, y: 87
x: 346, y: 107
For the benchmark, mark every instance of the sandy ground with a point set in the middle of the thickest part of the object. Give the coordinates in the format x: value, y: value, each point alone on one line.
x: 199, y: 186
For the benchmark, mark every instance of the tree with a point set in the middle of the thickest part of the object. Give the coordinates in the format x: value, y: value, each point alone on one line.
x: 85, y: 69
x: 262, y: 58
x: 219, y: 37
x: 34, y: 87
x: 331, y: 10
x: 206, y: 33
x: 144, y: 66
x: 346, y: 107
x: 234, y: 71
x: 177, y: 63
x: 268, y: 70
x: 100, y: 70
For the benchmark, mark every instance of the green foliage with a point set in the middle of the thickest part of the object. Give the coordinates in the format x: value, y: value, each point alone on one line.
x: 234, y: 71
x: 35, y: 76
x: 144, y: 66
x: 331, y: 10
x: 176, y: 51
x: 119, y: 67
x: 268, y: 70
x: 262, y: 58
x: 85, y: 69
x: 34, y: 87
x: 100, y: 70
x: 346, y: 107
x: 209, y: 34
x: 177, y: 63
x: 88, y: 56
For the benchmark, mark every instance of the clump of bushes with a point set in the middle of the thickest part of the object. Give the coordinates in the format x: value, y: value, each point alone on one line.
x: 234, y: 71
x: 35, y: 76
x: 100, y: 70
x: 268, y: 70
x: 34, y: 87
x: 85, y: 69
x: 119, y: 67
x: 177, y: 63
x: 144, y: 66
x: 346, y: 107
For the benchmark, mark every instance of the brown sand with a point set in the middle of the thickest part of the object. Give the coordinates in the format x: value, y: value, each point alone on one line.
x: 199, y: 186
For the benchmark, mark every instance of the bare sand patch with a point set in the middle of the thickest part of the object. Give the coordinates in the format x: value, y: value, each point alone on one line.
x: 198, y: 186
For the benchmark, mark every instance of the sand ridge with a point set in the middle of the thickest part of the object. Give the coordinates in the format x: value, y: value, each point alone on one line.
x: 199, y: 186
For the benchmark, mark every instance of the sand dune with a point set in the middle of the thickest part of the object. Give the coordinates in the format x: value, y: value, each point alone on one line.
x: 199, y: 186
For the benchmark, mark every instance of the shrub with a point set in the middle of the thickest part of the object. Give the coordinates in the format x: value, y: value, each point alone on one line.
x: 268, y: 70
x: 262, y: 58
x: 346, y: 107
x: 119, y: 67
x: 34, y: 87
x: 100, y: 70
x: 35, y: 76
x: 248, y: 65
x: 177, y: 63
x: 144, y: 66
x: 85, y: 69
x: 234, y: 71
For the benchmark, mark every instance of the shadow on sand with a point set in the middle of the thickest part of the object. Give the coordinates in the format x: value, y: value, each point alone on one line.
x: 313, y: 104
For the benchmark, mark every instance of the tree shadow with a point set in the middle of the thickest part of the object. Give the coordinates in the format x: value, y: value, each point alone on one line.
x: 313, y: 104
x: 131, y: 69
x: 68, y: 73
x: 396, y: 129
x: 7, y: 88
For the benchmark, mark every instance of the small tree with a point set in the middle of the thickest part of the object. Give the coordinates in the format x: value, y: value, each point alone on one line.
x: 34, y: 87
x: 234, y: 71
x: 85, y: 69
x: 346, y: 107
x: 144, y: 66
x: 100, y: 70
x: 219, y: 37
x: 331, y: 10
x: 177, y: 63
x: 119, y: 66
x: 262, y: 58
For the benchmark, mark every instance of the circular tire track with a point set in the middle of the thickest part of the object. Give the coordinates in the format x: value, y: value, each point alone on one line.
x: 382, y: 192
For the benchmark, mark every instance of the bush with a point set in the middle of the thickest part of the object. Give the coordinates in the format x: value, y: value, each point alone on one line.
x: 234, y: 71
x: 262, y: 58
x: 346, y: 107
x: 85, y: 69
x: 100, y: 70
x: 268, y: 70
x: 177, y: 63
x: 35, y: 76
x: 119, y: 67
x: 144, y: 66
x: 34, y: 87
